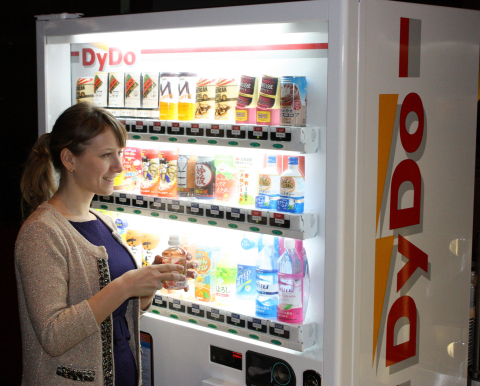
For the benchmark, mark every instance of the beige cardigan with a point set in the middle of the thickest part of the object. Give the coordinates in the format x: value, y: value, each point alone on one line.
x: 57, y: 270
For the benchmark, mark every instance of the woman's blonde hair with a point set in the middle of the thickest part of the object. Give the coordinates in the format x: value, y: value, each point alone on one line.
x: 73, y: 130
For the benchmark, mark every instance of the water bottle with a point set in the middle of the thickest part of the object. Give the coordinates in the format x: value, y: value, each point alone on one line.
x: 267, y: 280
x: 290, y: 283
x: 246, y: 283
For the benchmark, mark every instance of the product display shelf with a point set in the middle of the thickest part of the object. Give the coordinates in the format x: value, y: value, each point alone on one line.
x: 298, y: 336
x: 297, y: 226
x: 299, y: 139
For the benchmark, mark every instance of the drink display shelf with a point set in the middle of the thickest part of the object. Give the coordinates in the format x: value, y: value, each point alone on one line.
x: 297, y: 226
x: 298, y: 336
x: 299, y: 139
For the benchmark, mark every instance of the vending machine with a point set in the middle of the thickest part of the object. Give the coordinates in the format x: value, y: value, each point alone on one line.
x: 341, y: 130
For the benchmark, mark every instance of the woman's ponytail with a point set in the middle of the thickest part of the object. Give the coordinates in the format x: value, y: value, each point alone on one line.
x: 38, y: 182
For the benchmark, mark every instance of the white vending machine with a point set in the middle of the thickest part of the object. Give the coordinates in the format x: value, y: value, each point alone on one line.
x: 385, y: 158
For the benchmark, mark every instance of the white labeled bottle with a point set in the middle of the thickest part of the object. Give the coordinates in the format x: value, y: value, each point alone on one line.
x: 246, y: 283
x: 268, y: 185
x: 175, y: 255
x: 290, y: 285
x: 267, y: 280
x: 292, y: 188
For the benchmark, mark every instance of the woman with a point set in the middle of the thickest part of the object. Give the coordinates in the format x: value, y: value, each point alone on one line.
x: 80, y: 291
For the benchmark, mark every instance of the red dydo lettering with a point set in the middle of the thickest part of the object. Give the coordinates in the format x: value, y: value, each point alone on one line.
x: 403, y: 307
x: 90, y: 54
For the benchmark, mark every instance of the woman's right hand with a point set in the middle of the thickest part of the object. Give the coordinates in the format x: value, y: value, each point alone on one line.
x: 147, y: 280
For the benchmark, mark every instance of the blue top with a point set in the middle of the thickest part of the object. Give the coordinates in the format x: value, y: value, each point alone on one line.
x: 119, y: 262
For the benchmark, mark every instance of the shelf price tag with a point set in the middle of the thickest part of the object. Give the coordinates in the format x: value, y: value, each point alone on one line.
x: 158, y: 203
x: 236, y: 131
x: 283, y: 134
x: 177, y: 305
x: 160, y: 301
x: 255, y: 324
x: 235, y: 214
x: 195, y: 208
x: 157, y: 128
x: 280, y: 330
x: 280, y: 220
x: 214, y: 211
x: 258, y: 132
x: 258, y: 217
x: 176, y: 206
x: 236, y: 319
x: 196, y: 310
x: 216, y: 314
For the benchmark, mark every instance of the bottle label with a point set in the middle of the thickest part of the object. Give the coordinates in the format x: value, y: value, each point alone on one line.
x: 246, y: 282
x: 292, y: 186
x: 269, y: 184
x: 267, y: 282
x: 290, y: 297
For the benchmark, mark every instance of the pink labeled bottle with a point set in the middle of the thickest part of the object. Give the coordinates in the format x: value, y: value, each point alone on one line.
x: 291, y: 300
x: 175, y: 255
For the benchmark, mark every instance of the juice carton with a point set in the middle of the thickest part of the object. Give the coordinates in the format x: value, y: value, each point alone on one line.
x: 205, y: 284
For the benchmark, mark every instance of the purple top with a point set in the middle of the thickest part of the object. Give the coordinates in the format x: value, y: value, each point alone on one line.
x: 119, y: 262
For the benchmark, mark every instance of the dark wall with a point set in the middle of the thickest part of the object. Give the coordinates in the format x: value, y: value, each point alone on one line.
x: 18, y: 101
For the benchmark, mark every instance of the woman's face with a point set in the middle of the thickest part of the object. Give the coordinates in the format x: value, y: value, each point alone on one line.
x: 96, y: 168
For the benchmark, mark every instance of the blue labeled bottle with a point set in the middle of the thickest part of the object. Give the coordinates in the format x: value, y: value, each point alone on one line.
x: 267, y: 280
x: 246, y: 284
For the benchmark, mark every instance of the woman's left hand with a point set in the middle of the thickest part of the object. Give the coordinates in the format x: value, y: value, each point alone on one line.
x: 191, y: 267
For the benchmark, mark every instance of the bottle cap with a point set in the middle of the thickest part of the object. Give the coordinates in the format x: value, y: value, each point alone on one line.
x: 174, y: 240
x: 271, y: 159
x: 293, y: 160
x: 289, y: 244
x: 121, y: 223
x: 247, y: 244
x: 268, y: 240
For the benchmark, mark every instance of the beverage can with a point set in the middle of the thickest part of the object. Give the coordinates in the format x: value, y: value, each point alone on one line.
x: 268, y: 109
x: 167, y: 185
x: 132, y: 90
x: 226, y: 94
x: 150, y: 172
x: 293, y: 101
x: 100, y: 89
x: 205, y: 100
x: 186, y: 175
x: 132, y: 167
x: 205, y: 177
x: 246, y: 108
x: 187, y: 83
x: 150, y: 90
x: 116, y: 88
x: 168, y: 96
x: 85, y: 90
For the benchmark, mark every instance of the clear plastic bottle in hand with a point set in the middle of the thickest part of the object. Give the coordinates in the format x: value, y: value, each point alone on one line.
x: 175, y: 255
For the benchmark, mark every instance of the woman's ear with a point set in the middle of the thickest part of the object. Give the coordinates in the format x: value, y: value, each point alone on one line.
x: 66, y: 157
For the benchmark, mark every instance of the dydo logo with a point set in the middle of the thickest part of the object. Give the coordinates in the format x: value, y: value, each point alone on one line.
x: 406, y: 175
x: 100, y: 54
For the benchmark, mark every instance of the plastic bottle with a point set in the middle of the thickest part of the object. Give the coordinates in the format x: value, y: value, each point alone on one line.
x: 226, y: 278
x: 175, y: 255
x: 267, y: 280
x: 290, y: 285
x: 268, y: 185
x: 300, y: 249
x: 292, y: 188
x: 246, y: 268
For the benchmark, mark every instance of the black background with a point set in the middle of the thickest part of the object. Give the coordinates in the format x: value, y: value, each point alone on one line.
x: 18, y: 101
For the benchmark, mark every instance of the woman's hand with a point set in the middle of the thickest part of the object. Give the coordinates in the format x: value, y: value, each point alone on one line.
x: 147, y: 280
x: 191, y: 267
